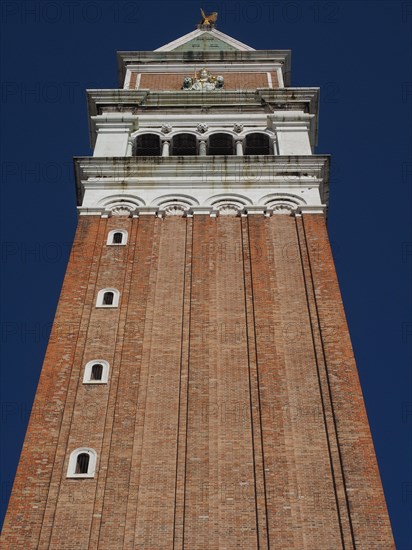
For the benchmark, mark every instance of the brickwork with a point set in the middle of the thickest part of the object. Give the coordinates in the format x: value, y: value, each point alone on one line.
x: 233, y: 415
x: 369, y: 520
x: 233, y: 81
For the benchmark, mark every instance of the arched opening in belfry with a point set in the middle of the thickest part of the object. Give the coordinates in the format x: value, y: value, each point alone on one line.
x: 221, y: 144
x: 184, y: 144
x: 147, y: 145
x: 257, y: 144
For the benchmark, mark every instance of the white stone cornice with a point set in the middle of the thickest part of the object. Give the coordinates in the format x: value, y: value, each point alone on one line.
x: 205, y: 169
x: 255, y: 210
x: 312, y: 209
x: 184, y: 185
x: 273, y: 96
x: 147, y: 210
x: 198, y: 210
x: 125, y: 121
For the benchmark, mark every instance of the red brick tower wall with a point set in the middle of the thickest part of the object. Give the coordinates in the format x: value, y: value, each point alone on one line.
x: 233, y: 81
x: 233, y: 415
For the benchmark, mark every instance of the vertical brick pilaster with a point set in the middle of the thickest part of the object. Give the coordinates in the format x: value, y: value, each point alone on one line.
x: 201, y: 484
x: 32, y: 488
x: 367, y: 505
x: 254, y: 388
x: 156, y: 494
x: 178, y: 538
x: 234, y: 462
x: 326, y: 402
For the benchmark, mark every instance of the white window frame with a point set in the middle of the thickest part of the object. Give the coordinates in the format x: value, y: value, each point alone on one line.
x: 88, y: 372
x: 100, y: 296
x: 111, y: 235
x: 71, y: 470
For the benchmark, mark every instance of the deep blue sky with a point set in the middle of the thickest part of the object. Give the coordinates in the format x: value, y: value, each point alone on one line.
x: 359, y: 55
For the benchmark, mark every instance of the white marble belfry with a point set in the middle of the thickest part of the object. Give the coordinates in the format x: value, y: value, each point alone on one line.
x: 218, y: 170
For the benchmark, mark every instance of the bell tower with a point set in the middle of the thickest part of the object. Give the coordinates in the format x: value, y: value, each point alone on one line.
x: 208, y: 396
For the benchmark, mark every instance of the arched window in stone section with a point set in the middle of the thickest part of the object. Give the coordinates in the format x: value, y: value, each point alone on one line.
x: 221, y: 144
x: 147, y: 145
x: 96, y: 372
x: 257, y: 144
x: 82, y: 463
x: 117, y: 237
x: 108, y: 297
x: 184, y: 144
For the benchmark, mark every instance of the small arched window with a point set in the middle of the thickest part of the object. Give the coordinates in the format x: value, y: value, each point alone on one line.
x: 108, y: 297
x: 147, y: 145
x: 257, y: 144
x: 117, y: 237
x: 184, y: 144
x: 221, y: 144
x: 96, y: 372
x: 82, y: 463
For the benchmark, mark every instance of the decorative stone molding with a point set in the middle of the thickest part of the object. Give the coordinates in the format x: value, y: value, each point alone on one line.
x: 122, y: 210
x: 283, y: 208
x: 230, y: 205
x: 107, y: 186
x: 119, y: 205
x: 229, y: 209
x: 238, y: 128
x: 282, y: 204
x: 275, y: 198
x: 175, y: 210
x: 202, y: 127
x: 119, y: 209
x: 166, y: 128
x: 174, y: 205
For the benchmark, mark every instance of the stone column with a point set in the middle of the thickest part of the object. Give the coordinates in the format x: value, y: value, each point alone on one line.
x: 129, y: 150
x: 202, y: 148
x: 165, y: 148
x: 239, y: 147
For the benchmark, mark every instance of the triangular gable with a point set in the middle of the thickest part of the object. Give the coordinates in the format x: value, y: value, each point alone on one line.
x: 201, y: 40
